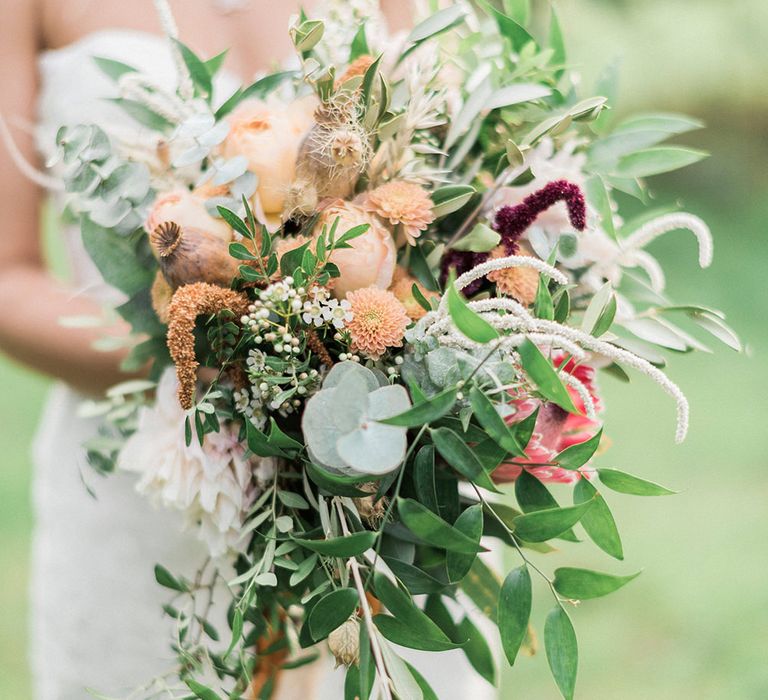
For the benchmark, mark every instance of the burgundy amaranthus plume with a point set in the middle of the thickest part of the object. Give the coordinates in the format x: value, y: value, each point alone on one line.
x: 512, y: 221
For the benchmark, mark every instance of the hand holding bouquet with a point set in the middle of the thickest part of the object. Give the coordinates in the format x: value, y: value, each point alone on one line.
x: 402, y: 267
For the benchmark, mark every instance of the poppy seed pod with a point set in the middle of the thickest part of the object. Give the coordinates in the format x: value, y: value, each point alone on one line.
x: 188, y: 255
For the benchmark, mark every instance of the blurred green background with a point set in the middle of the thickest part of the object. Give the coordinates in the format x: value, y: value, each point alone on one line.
x: 695, y: 624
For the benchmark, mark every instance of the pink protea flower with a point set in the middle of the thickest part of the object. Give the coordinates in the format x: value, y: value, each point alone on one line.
x: 378, y: 321
x: 402, y: 203
x: 555, y: 429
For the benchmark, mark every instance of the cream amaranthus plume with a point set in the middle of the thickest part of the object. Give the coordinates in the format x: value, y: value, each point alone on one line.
x: 517, y: 318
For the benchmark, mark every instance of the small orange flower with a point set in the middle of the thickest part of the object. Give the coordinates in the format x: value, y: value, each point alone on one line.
x: 378, y: 322
x: 402, y: 203
x: 402, y: 288
x: 520, y: 283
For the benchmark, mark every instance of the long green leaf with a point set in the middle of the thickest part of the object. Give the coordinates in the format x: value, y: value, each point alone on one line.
x: 578, y: 455
x: 493, y: 423
x: 660, y: 159
x: 582, y: 584
x: 471, y: 324
x: 425, y: 412
x: 544, y: 375
x: 458, y: 455
x: 543, y: 525
x: 433, y: 529
x: 331, y: 611
x: 627, y: 483
x: 398, y: 632
x: 562, y: 650
x: 470, y: 522
x: 349, y: 546
x: 533, y: 495
x: 515, y: 600
x: 598, y: 521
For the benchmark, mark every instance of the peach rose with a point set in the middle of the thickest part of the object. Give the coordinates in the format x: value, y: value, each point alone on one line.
x: 186, y: 209
x: 370, y: 262
x: 269, y: 134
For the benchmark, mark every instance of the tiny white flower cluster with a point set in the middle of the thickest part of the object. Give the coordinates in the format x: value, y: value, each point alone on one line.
x: 320, y: 309
x: 251, y: 407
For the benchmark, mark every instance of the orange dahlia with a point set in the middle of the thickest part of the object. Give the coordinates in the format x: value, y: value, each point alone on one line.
x: 402, y: 288
x: 402, y: 203
x: 378, y: 322
x: 520, y: 283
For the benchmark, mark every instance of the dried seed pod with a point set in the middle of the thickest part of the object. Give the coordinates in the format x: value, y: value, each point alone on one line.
x: 189, y: 302
x: 344, y: 642
x: 370, y: 510
x: 189, y: 255
x: 161, y: 294
x: 332, y: 156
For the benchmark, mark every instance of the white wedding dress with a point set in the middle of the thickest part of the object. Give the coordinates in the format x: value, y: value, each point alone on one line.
x: 96, y: 609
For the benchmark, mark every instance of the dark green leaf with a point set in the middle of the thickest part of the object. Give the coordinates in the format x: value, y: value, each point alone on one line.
x: 598, y: 521
x: 458, y: 455
x: 416, y: 580
x: 532, y: 496
x: 470, y: 522
x: 543, y: 525
x: 336, y: 484
x: 198, y: 71
x: 359, y: 46
x: 424, y: 477
x: 544, y: 375
x: 450, y: 198
x: 493, y: 423
x: 562, y: 650
x: 201, y: 691
x: 258, y: 443
x: 349, y: 546
x: 240, y: 252
x: 515, y: 600
x: 582, y: 584
x: 627, y: 483
x: 517, y: 34
x: 543, y: 306
x: 425, y: 412
x: 477, y: 650
x: 433, y: 529
x: 482, y: 585
x: 331, y: 611
x: 235, y: 222
x: 578, y: 455
x: 166, y: 579
x: 398, y: 632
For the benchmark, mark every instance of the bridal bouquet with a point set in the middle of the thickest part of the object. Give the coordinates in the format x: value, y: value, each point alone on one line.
x: 374, y: 294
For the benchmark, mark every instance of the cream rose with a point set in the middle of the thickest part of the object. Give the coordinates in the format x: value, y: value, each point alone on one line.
x: 370, y: 262
x: 269, y: 134
x: 186, y: 209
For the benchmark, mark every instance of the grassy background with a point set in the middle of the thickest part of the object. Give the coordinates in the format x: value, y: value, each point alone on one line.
x: 695, y: 624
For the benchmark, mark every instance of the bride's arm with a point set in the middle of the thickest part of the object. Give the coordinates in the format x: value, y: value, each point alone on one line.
x: 32, y: 302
